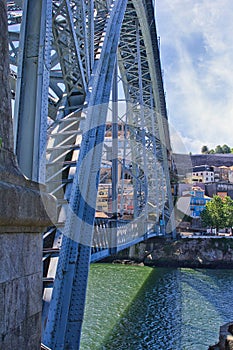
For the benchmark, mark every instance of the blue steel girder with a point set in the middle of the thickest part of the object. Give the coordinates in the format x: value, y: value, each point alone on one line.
x: 62, y: 126
x: 32, y: 80
x: 86, y: 21
x: 148, y: 28
x: 14, y: 38
x: 69, y: 45
x: 146, y: 87
x: 67, y: 304
x: 135, y: 70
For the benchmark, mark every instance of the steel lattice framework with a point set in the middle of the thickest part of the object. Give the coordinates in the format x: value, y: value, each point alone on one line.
x: 70, y: 61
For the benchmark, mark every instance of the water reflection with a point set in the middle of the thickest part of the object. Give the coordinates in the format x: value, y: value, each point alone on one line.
x: 147, y: 324
x: 138, y: 308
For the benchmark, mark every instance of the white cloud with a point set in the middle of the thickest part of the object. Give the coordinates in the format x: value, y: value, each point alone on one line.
x: 197, y: 56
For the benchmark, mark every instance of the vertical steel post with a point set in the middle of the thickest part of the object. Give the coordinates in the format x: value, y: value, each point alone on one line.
x: 31, y: 105
x: 114, y: 141
x: 91, y: 32
x: 114, y: 158
x: 141, y: 102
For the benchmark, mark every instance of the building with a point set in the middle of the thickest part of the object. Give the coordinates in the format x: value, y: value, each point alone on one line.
x: 184, y: 164
x: 203, y: 173
x: 223, y: 174
x: 221, y: 189
x: 103, y: 196
x: 187, y: 187
x: 198, y: 202
x: 125, y: 198
x: 193, y: 202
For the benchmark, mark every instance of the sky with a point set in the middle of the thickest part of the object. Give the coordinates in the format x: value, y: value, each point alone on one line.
x: 196, y: 48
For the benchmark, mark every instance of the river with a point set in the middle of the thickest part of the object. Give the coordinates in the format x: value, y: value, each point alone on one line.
x: 143, y: 308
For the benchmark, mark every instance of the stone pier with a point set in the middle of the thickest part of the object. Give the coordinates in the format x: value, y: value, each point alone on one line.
x: 22, y: 221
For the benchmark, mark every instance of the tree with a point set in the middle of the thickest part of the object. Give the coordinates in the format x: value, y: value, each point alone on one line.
x: 204, y: 150
x: 206, y: 218
x: 218, y: 213
x: 228, y: 212
x: 211, y: 151
x: 218, y: 149
x: 226, y: 149
x: 213, y: 214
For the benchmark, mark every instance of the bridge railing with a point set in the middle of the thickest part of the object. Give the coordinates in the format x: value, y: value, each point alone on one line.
x: 113, y: 235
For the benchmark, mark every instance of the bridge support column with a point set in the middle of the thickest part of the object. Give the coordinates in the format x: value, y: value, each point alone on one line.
x: 22, y: 219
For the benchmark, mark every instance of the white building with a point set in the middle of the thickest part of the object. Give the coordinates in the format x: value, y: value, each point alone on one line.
x: 203, y: 173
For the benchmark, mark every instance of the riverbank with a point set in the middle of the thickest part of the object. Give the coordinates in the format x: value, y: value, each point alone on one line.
x: 186, y: 252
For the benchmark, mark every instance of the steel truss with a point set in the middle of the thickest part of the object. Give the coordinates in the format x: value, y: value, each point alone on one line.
x: 66, y: 60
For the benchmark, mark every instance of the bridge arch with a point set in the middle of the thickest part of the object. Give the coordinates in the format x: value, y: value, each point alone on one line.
x: 68, y: 67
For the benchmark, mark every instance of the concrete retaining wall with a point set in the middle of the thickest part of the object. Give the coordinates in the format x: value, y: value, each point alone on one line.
x: 195, y: 252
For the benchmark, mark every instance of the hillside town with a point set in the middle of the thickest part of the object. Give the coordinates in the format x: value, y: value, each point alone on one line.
x: 198, y: 179
x: 195, y: 181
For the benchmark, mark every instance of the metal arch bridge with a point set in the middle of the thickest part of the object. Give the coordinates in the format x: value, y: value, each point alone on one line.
x: 78, y: 66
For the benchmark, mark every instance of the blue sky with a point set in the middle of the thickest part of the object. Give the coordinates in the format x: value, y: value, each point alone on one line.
x: 196, y: 46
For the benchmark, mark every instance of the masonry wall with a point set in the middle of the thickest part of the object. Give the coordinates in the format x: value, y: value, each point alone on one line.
x: 20, y: 290
x: 25, y: 211
x: 186, y: 252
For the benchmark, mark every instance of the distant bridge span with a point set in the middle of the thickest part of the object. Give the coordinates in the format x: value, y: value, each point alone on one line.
x: 79, y: 69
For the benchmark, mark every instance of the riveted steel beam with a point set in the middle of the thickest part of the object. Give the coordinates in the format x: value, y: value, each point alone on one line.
x: 31, y: 102
x: 67, y: 305
x: 66, y: 15
x: 145, y: 11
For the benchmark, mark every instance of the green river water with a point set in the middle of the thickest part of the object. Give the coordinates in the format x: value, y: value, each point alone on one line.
x: 143, y: 308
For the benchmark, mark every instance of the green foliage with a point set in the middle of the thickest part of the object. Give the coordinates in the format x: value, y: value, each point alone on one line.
x: 218, y: 213
x: 204, y: 150
x: 226, y: 149
x: 218, y: 149
x: 228, y: 211
x: 206, y: 217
